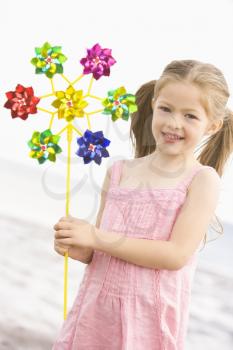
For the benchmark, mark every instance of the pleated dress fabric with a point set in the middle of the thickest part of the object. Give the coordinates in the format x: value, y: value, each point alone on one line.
x: 124, y: 306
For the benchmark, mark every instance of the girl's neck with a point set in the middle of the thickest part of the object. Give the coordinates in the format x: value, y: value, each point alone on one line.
x: 171, y: 163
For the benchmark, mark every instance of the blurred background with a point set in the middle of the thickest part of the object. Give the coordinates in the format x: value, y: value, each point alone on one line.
x: 144, y: 37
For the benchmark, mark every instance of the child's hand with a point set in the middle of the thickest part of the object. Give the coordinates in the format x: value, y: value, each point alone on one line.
x: 81, y: 254
x: 73, y: 232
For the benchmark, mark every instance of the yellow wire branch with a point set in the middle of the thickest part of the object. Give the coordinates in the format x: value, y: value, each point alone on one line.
x: 64, y: 129
x: 66, y: 79
x: 96, y: 97
x: 90, y: 86
x: 88, y: 121
x: 78, y: 132
x: 98, y: 111
x: 45, y: 110
x: 48, y: 95
x: 52, y: 86
x: 51, y: 120
x: 77, y: 79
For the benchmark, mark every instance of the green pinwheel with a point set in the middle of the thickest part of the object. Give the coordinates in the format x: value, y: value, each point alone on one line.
x: 48, y: 60
x: 44, y: 146
x: 119, y: 104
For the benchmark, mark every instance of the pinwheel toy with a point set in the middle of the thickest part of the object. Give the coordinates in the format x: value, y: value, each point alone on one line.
x: 68, y: 105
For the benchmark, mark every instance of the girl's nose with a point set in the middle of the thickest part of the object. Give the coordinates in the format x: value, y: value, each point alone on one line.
x: 175, y: 121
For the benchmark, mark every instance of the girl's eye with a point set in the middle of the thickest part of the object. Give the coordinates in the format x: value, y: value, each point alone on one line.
x: 192, y: 116
x: 165, y: 109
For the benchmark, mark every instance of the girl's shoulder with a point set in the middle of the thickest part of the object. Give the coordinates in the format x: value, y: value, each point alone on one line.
x: 206, y: 171
x: 205, y: 175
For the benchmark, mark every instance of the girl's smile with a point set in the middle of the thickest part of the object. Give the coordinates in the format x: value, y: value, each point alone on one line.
x: 171, y: 138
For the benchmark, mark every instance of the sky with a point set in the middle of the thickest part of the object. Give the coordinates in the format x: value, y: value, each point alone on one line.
x: 144, y: 38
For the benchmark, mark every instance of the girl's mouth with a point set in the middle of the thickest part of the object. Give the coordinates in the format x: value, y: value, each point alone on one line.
x: 171, y: 139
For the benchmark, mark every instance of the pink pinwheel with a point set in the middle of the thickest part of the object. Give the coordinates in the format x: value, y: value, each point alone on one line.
x: 98, y: 61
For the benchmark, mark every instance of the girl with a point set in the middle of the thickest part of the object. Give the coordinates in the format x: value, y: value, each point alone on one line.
x: 153, y: 217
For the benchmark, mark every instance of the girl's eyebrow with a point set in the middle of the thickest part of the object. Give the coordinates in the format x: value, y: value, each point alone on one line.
x: 184, y: 109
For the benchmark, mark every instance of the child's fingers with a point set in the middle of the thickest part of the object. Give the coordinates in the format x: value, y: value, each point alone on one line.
x: 60, y: 245
x: 60, y: 249
x: 67, y: 218
x: 68, y: 242
x: 62, y: 225
x: 63, y: 234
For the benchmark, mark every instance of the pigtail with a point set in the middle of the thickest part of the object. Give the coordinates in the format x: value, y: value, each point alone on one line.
x: 219, y: 146
x: 140, y: 128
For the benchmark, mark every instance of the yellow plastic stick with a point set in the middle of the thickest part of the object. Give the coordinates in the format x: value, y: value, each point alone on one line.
x: 70, y: 128
x: 69, y: 140
x: 65, y: 284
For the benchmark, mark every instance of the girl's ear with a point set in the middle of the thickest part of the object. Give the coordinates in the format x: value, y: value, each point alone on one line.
x: 214, y: 127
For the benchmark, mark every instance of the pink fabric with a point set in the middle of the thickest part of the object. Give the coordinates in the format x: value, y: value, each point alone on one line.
x: 123, y: 306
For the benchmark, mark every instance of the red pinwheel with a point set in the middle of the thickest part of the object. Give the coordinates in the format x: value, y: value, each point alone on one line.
x: 21, y: 102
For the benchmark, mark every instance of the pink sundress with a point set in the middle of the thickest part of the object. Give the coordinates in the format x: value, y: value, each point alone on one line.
x: 123, y: 306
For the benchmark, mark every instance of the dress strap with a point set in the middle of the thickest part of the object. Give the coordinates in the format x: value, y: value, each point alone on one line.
x: 187, y: 181
x: 116, y: 173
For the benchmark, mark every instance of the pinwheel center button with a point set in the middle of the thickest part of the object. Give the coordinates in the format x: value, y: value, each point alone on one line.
x: 91, y: 147
x: 69, y: 104
x: 96, y: 60
x: 48, y: 59
x: 22, y: 102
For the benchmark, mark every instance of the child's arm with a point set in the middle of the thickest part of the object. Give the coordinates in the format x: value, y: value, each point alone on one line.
x: 188, y: 230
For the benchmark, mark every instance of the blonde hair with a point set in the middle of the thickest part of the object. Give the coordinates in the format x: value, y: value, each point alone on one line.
x: 217, y: 148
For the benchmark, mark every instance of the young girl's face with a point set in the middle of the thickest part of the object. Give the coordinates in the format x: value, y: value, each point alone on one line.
x: 178, y: 110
